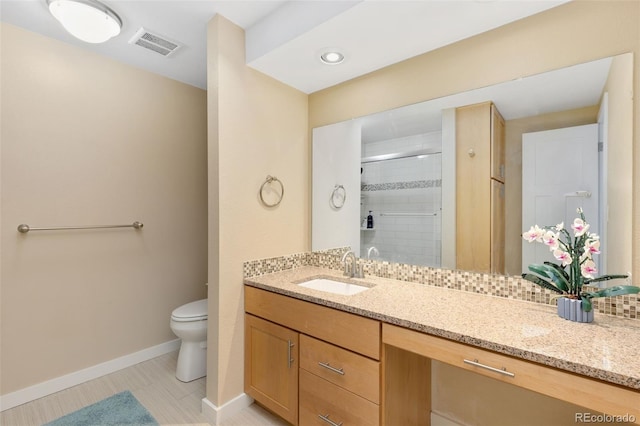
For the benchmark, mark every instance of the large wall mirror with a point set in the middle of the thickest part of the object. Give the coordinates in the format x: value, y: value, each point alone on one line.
x: 401, y: 168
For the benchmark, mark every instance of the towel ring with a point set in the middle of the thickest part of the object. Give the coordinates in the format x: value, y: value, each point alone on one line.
x: 269, y: 180
x: 340, y: 194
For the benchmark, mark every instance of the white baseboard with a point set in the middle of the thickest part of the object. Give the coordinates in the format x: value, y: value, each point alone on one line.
x: 215, y: 415
x: 34, y: 392
x: 438, y: 420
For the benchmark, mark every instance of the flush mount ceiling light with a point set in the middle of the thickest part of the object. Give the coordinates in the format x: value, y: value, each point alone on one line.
x: 88, y: 20
x: 332, y: 57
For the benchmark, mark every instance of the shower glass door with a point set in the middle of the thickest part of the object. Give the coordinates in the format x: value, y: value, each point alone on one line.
x: 405, y: 199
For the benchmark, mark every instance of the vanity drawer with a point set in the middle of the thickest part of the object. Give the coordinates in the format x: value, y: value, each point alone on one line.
x: 491, y: 364
x: 356, y: 333
x: 346, y: 369
x: 319, y: 397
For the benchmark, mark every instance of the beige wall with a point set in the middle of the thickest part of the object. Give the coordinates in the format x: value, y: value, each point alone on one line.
x: 257, y: 127
x: 513, y: 172
x: 87, y: 140
x: 576, y: 32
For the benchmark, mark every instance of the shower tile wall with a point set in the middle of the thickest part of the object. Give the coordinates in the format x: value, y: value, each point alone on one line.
x: 394, y: 190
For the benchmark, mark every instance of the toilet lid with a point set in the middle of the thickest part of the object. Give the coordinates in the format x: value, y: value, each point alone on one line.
x: 194, y: 311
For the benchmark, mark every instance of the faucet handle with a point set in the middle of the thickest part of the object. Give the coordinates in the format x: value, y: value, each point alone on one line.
x: 347, y: 269
x: 359, y: 270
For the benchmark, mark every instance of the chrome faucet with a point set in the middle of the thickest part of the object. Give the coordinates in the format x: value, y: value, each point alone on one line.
x: 372, y: 251
x: 354, y: 270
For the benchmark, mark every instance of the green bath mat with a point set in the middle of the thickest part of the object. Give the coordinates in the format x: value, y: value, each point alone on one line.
x: 120, y: 409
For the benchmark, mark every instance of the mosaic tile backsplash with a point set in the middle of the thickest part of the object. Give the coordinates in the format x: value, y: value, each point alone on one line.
x: 510, y: 287
x: 431, y: 183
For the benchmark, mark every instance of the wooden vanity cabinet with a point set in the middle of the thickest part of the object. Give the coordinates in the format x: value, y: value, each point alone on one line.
x: 314, y: 365
x: 480, y: 179
x: 336, y: 356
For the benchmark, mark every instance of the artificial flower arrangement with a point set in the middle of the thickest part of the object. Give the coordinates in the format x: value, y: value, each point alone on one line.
x: 576, y: 268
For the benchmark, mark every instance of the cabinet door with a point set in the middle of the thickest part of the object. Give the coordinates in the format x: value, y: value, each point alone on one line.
x: 497, y: 227
x: 271, y: 366
x: 497, y: 145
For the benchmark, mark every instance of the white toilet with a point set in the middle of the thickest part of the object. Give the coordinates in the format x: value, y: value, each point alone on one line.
x: 189, y: 322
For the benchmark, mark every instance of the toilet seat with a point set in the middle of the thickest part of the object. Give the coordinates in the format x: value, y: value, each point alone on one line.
x: 194, y: 311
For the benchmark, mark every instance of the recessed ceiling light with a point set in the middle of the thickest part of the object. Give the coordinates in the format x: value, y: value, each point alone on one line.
x: 332, y: 57
x: 87, y: 20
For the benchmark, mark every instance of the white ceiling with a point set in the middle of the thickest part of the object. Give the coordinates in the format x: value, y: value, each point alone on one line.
x: 284, y: 38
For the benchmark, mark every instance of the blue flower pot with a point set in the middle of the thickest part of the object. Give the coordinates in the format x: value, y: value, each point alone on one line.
x: 571, y: 309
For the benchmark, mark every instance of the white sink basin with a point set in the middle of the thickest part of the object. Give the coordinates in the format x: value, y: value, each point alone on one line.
x: 331, y: 286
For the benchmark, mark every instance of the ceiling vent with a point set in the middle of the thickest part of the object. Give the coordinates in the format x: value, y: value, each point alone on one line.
x: 155, y: 42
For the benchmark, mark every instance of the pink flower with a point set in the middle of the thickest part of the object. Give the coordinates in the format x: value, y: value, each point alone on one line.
x: 592, y: 247
x: 551, y: 240
x: 579, y: 227
x: 533, y: 234
x: 562, y: 256
x: 560, y: 226
x: 588, y: 268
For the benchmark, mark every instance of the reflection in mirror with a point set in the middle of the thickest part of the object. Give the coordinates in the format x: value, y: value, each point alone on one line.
x: 401, y: 190
x: 400, y: 167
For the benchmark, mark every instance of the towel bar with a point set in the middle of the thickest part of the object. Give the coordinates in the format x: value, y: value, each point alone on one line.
x: 23, y: 228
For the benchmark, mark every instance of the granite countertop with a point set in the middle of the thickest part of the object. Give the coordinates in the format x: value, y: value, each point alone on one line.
x: 606, y: 349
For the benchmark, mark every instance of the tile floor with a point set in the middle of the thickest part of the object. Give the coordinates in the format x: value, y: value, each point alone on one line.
x: 152, y: 382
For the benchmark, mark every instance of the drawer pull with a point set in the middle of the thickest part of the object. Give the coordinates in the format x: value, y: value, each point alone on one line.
x: 328, y: 367
x: 289, y: 358
x: 486, y: 367
x: 326, y: 419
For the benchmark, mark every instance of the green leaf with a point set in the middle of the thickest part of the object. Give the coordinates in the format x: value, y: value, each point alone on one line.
x: 551, y: 273
x: 605, y: 278
x: 618, y: 290
x: 586, y: 304
x: 559, y: 268
x: 542, y: 283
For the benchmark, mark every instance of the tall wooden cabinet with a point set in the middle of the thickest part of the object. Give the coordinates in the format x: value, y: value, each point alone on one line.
x: 480, y: 171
